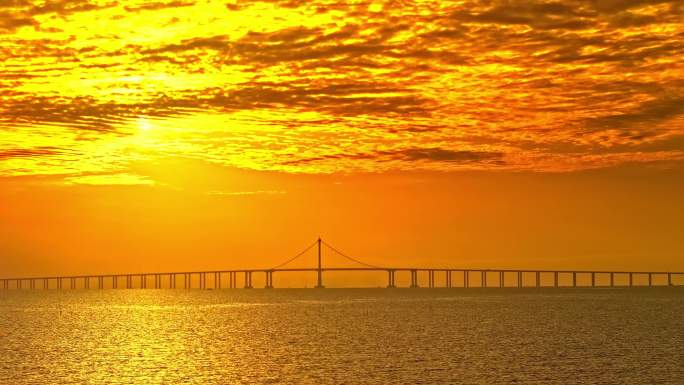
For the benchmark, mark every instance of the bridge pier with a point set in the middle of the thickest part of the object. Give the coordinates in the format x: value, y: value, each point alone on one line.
x: 669, y: 279
x: 593, y: 279
x: 574, y: 279
x: 501, y: 279
x: 431, y: 279
x: 520, y: 279
x: 466, y: 275
x: 612, y: 280
x: 555, y: 279
x: 72, y: 283
x: 631, y: 279
x: 269, y: 279
x: 650, y: 280
x: 448, y: 278
x: 390, y: 279
x: 537, y: 278
x: 100, y: 283
x: 483, y: 278
x: 248, y: 279
x: 217, y: 280
x: 414, y: 278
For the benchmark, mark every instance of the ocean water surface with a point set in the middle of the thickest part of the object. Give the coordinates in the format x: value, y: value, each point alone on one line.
x: 343, y: 336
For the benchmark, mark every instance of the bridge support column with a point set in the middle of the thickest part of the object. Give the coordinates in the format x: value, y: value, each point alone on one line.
x: 537, y: 279
x: 520, y: 279
x: 100, y: 282
x: 59, y: 282
x: 390, y: 279
x: 45, y: 283
x: 86, y: 282
x: 115, y: 282
x: 650, y: 280
x: 555, y: 279
x: 217, y: 280
x: 248, y: 279
x: 72, y: 283
x: 269, y: 279
x: 414, y: 278
x: 593, y: 279
x: 612, y: 279
x: 448, y: 278
x: 501, y: 279
x: 483, y: 278
x: 669, y: 279
x: 574, y: 279
x: 466, y: 275
x: 631, y: 279
x: 431, y: 279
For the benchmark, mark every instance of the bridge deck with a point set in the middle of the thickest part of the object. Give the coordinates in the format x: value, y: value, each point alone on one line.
x: 232, y: 275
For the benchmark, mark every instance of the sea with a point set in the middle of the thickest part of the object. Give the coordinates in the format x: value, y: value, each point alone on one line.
x: 343, y: 336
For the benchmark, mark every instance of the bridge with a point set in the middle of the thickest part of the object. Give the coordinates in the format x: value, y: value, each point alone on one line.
x: 484, y: 278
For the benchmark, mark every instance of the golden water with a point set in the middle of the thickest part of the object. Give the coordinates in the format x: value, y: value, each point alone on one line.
x: 365, y: 336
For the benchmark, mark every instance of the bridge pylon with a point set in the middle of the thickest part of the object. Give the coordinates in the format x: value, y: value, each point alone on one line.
x: 319, y: 285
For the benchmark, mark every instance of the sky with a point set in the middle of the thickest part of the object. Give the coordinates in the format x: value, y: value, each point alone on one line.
x: 203, y: 135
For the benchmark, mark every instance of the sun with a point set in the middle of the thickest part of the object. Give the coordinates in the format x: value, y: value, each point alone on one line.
x: 144, y: 124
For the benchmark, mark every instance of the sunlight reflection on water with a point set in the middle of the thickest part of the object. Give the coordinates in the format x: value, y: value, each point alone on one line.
x: 545, y: 336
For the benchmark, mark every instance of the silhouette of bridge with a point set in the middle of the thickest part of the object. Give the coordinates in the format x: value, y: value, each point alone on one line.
x: 170, y: 280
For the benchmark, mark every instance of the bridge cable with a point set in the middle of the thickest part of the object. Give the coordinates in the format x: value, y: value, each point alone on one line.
x: 348, y: 257
x: 295, y: 257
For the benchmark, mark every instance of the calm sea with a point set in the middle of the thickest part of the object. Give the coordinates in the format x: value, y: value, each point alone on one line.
x: 343, y: 336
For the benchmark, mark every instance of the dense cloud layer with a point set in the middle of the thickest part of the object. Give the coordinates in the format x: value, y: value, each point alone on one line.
x: 324, y: 86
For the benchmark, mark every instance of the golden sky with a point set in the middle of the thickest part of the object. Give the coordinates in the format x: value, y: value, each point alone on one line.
x: 125, y: 117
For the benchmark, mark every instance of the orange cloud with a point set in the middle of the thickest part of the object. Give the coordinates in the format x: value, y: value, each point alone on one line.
x: 310, y: 86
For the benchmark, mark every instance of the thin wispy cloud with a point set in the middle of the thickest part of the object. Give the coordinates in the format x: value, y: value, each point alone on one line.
x: 243, y: 193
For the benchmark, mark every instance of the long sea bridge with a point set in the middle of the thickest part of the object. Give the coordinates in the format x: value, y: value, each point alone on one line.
x: 465, y: 278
